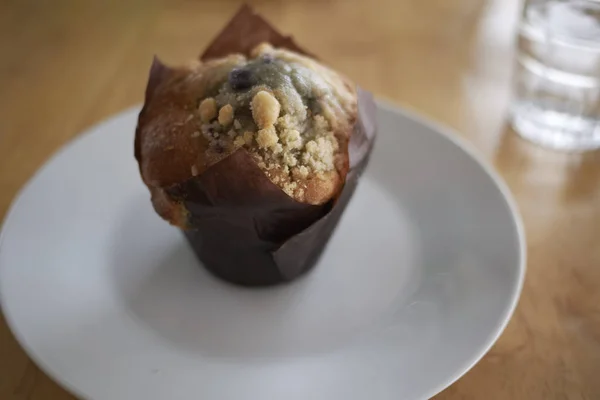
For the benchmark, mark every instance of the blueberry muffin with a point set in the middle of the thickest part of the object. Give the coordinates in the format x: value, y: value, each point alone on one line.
x: 291, y: 114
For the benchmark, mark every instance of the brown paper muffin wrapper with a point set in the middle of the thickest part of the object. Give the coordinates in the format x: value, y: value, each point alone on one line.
x: 244, y: 228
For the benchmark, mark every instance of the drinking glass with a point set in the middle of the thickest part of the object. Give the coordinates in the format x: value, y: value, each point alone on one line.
x: 557, y: 77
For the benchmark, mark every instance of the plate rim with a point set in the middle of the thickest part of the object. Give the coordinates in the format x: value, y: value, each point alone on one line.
x: 462, y: 143
x: 384, y: 104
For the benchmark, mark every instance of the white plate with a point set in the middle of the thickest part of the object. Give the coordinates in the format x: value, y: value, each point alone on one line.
x: 417, y: 283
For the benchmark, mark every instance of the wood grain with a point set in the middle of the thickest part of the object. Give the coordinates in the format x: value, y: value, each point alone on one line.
x: 65, y: 65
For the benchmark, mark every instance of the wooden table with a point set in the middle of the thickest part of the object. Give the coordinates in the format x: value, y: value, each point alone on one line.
x: 67, y: 64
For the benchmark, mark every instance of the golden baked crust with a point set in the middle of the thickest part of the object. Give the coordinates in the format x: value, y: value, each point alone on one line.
x: 291, y: 113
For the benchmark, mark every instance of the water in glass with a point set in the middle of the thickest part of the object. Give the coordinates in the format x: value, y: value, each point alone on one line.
x: 557, y: 77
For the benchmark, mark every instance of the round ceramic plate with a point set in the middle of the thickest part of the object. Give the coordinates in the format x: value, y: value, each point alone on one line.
x: 418, y: 281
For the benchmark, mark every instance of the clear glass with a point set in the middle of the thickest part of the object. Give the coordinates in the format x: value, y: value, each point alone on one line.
x: 557, y: 77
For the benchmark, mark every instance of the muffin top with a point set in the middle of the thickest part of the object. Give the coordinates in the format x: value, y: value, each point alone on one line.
x: 293, y: 115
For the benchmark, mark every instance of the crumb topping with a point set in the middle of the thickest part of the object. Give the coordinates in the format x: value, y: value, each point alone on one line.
x: 292, y: 114
x: 226, y: 115
x: 265, y: 109
x: 208, y: 109
x: 267, y: 138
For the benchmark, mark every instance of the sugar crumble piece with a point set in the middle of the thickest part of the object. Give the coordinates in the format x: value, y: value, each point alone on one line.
x: 265, y: 109
x: 289, y: 188
x: 239, y: 141
x: 291, y: 139
x: 286, y: 122
x: 195, y: 134
x: 261, y: 49
x: 226, y: 115
x: 237, y: 125
x: 248, y: 137
x: 267, y: 138
x: 319, y: 154
x: 277, y: 148
x: 300, y: 172
x: 194, y: 170
x: 290, y: 160
x: 312, y: 147
x: 320, y: 123
x: 208, y: 109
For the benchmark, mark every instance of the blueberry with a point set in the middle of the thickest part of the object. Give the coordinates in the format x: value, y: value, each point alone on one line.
x: 241, y: 78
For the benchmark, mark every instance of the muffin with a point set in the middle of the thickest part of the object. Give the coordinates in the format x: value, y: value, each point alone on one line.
x: 249, y: 152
